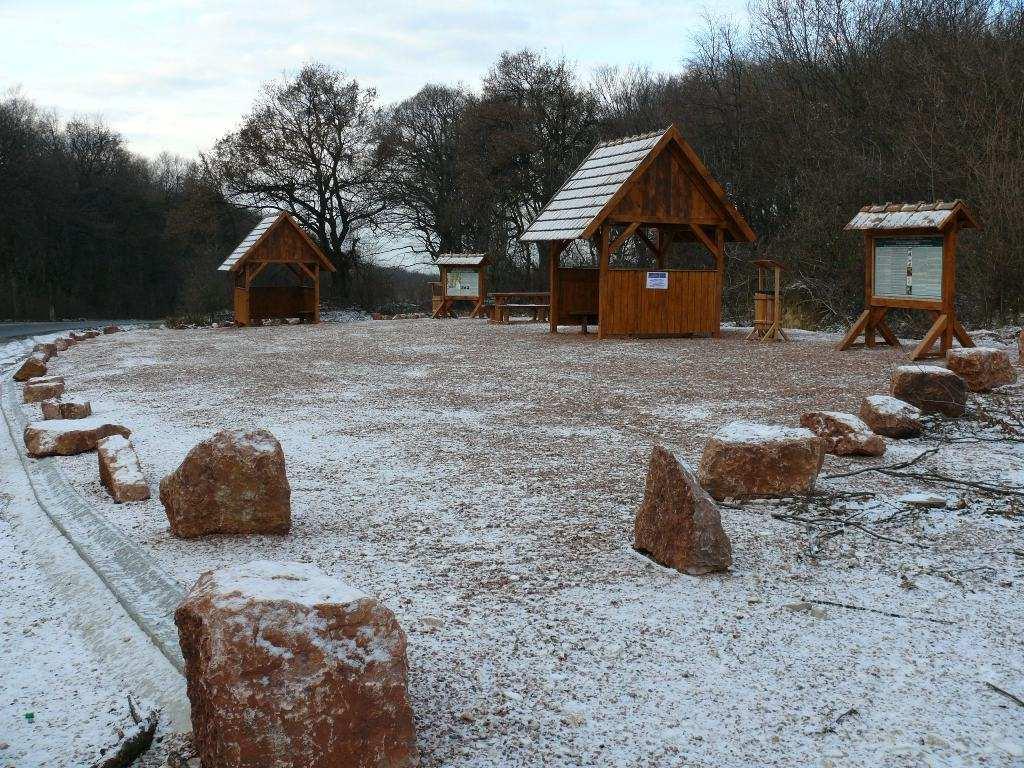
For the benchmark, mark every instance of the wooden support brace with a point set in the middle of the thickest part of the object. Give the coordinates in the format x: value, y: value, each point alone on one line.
x: 626, y: 233
x: 937, y: 329
x: 855, y: 330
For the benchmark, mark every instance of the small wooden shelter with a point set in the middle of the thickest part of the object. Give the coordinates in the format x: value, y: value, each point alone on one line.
x: 768, y: 302
x: 463, y: 278
x: 655, y: 187
x: 277, y: 240
x: 910, y: 263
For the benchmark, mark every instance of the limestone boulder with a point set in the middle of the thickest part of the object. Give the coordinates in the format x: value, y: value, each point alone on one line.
x: 64, y: 437
x: 37, y: 390
x: 890, y: 416
x: 982, y: 368
x: 679, y: 524
x: 33, y: 367
x: 233, y: 482
x: 931, y: 388
x: 844, y: 434
x: 56, y: 409
x: 91, y: 334
x: 111, y: 329
x: 288, y: 668
x: 746, y: 460
x: 120, y: 470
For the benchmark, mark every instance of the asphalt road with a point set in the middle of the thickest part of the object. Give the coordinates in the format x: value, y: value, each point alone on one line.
x: 10, y: 331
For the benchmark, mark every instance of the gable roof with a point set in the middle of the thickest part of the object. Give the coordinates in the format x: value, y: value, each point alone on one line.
x: 937, y: 216
x: 581, y: 204
x: 460, y: 259
x: 259, y: 232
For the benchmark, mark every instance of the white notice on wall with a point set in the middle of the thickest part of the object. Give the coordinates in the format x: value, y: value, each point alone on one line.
x: 657, y: 280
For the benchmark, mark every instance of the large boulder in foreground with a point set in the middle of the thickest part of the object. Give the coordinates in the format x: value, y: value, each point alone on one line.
x: 120, y: 470
x: 65, y: 437
x: 890, y: 416
x: 47, y: 388
x: 744, y: 460
x: 981, y: 368
x: 678, y: 524
x: 931, y: 388
x: 233, y: 482
x: 33, y: 367
x: 56, y: 409
x: 844, y: 434
x: 287, y: 667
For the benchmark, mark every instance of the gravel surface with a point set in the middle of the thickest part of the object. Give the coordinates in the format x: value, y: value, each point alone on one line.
x: 482, y: 481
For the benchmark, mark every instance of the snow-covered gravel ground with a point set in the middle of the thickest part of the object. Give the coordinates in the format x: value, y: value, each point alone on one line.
x: 482, y: 480
x: 68, y: 652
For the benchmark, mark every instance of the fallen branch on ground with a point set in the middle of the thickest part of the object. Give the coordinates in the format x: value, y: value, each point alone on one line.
x: 134, y: 741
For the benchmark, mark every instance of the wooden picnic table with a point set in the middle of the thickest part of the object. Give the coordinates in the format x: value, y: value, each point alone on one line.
x: 537, y: 302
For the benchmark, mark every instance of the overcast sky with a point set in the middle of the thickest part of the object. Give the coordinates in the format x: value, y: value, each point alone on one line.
x: 177, y: 74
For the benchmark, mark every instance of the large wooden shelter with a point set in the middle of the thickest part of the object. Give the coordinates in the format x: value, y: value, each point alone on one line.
x: 910, y: 263
x: 277, y: 240
x: 653, y: 187
x: 463, y: 278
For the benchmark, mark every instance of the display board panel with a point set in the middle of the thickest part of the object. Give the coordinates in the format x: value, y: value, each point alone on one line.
x: 463, y: 282
x: 908, y: 268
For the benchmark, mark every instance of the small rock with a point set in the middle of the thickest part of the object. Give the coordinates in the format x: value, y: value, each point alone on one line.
x: 120, y: 470
x: 930, y: 388
x: 37, y: 391
x: 678, y: 524
x: 111, y: 329
x: 289, y: 667
x: 744, y: 460
x: 844, y: 434
x: 982, y: 368
x: 890, y: 416
x: 65, y: 437
x: 233, y: 482
x: 55, y: 409
x: 34, y: 366
x: 432, y: 622
x: 925, y: 500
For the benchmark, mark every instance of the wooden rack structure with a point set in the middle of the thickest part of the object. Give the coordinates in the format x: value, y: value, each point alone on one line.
x: 768, y: 303
x: 276, y: 240
x: 655, y: 188
x: 910, y: 263
x: 463, y: 278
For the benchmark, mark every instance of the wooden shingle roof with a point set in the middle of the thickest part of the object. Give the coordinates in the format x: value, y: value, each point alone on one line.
x: 260, y: 231
x: 590, y: 187
x: 460, y: 259
x: 892, y: 216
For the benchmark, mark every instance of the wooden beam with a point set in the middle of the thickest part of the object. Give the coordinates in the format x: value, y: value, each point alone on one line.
x: 618, y: 241
x: 937, y: 329
x: 705, y: 240
x: 855, y: 330
x: 961, y: 334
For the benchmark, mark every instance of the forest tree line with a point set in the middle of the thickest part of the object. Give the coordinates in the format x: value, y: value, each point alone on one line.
x: 805, y: 113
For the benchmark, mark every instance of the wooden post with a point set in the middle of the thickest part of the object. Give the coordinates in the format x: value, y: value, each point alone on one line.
x: 720, y: 277
x: 603, y: 295
x: 554, y: 284
x: 316, y: 293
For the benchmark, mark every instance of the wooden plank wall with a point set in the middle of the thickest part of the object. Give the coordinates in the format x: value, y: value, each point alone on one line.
x: 688, y: 306
x: 281, y: 301
x: 577, y: 294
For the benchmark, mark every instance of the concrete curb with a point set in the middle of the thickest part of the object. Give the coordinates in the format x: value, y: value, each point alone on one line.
x: 148, y: 594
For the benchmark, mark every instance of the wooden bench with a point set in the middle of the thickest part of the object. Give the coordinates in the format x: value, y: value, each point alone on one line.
x: 537, y: 302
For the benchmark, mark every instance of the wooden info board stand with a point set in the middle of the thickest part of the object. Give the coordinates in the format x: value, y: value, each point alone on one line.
x: 910, y: 263
x: 463, y: 278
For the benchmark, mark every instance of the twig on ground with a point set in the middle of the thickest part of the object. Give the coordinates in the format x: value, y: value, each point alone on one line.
x: 1006, y: 693
x: 877, y: 610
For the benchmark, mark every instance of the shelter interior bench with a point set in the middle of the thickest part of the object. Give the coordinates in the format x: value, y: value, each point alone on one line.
x: 537, y: 303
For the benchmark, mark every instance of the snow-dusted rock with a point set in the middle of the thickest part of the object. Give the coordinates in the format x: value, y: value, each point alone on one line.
x: 982, y: 368
x: 64, y: 437
x: 42, y: 389
x: 844, y: 434
x: 287, y: 667
x: 233, y: 482
x: 60, y: 344
x: 46, y: 350
x: 925, y: 500
x: 120, y: 470
x: 678, y: 524
x: 33, y: 367
x: 744, y: 460
x: 931, y: 388
x: 111, y: 329
x: 890, y: 416
x: 56, y: 409
x: 1020, y: 347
